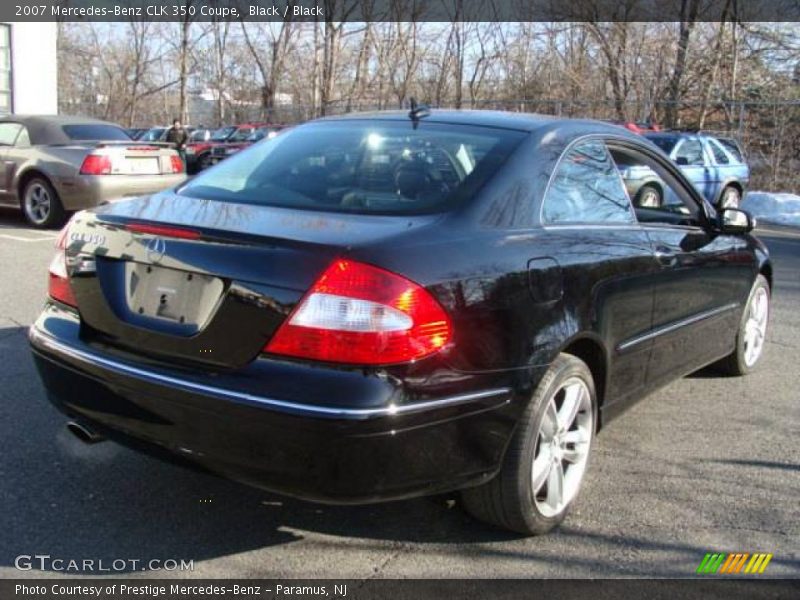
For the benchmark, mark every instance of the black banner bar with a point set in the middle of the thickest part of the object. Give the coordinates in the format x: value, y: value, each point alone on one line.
x: 400, y: 10
x: 262, y: 589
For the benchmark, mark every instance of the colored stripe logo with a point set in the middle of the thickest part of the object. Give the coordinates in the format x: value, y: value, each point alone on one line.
x: 734, y: 564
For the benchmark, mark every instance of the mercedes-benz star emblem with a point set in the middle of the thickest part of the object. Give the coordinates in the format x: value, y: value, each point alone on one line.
x: 156, y: 249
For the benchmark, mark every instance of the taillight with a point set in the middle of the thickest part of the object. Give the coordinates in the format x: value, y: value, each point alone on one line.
x: 177, y: 164
x: 362, y: 315
x: 96, y: 164
x: 59, y: 287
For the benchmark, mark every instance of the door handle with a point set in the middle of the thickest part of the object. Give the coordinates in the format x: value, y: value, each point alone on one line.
x: 665, y: 256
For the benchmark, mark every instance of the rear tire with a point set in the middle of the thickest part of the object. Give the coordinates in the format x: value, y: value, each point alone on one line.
x: 649, y: 196
x: 545, y: 462
x: 752, y: 332
x: 41, y: 205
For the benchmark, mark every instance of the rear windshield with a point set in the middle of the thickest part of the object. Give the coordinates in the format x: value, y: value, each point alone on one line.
x: 94, y: 132
x: 733, y: 147
x: 369, y: 167
x: 666, y: 143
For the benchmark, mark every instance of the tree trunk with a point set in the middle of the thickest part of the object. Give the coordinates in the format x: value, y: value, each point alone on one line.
x: 689, y: 9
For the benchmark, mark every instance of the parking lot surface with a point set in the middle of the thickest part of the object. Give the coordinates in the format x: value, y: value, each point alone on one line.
x: 708, y: 464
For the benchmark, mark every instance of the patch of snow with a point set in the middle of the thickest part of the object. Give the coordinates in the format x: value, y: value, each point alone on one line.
x: 773, y: 207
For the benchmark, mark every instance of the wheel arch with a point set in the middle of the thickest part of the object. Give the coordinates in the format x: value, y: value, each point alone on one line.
x: 590, y: 350
x: 765, y: 269
x: 24, y: 176
x: 734, y: 183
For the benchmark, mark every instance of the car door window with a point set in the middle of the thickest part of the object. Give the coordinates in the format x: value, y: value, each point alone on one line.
x: 586, y: 188
x: 719, y: 154
x: 8, y: 133
x: 689, y: 153
x: 656, y: 195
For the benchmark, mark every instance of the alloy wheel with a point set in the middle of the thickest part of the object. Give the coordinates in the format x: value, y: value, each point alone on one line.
x: 562, y: 447
x: 755, y: 327
x: 37, y: 203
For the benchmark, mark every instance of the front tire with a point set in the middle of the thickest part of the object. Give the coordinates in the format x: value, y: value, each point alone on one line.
x: 752, y: 333
x: 41, y: 205
x: 545, y: 462
x: 730, y: 198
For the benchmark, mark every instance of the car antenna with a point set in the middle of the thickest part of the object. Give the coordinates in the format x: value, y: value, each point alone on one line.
x: 418, y: 111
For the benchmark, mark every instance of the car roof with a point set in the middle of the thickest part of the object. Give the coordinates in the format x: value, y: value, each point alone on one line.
x: 483, y: 118
x: 46, y: 129
x: 528, y: 122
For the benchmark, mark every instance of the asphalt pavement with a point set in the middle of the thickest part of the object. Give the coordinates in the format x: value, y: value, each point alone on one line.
x: 708, y: 464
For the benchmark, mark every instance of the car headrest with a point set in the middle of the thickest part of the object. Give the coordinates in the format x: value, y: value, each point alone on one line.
x: 412, y: 179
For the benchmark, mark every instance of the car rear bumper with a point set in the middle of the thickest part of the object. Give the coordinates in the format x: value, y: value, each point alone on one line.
x: 328, y: 453
x: 86, y: 191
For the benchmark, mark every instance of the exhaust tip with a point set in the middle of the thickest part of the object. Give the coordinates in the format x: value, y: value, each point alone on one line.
x: 84, y: 433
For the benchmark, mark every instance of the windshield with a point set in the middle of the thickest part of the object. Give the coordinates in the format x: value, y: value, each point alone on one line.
x: 153, y: 135
x: 241, y: 135
x: 261, y: 133
x: 222, y: 134
x: 94, y: 132
x: 381, y: 167
x: 199, y: 135
x: 665, y: 142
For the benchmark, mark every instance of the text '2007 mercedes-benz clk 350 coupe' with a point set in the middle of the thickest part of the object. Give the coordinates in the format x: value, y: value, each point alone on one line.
x: 381, y: 306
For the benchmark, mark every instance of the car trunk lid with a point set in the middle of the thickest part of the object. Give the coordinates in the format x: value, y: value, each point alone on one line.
x: 203, y: 282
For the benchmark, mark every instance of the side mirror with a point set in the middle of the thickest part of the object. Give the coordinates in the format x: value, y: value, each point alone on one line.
x: 735, y: 220
x: 682, y: 161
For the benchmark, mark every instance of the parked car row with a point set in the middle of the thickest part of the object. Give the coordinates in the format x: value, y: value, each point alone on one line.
x: 209, y: 146
x: 57, y: 164
x: 224, y: 141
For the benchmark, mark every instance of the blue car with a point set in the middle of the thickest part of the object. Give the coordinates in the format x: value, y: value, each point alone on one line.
x: 714, y: 165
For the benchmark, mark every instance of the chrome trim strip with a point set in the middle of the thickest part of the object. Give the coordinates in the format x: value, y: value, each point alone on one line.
x: 42, y: 340
x: 706, y: 314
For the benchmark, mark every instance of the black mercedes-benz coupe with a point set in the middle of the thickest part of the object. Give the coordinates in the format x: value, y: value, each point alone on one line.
x: 388, y: 305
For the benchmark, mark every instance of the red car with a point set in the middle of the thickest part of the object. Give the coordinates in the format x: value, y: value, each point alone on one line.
x: 222, y: 151
x: 198, y: 154
x: 638, y: 127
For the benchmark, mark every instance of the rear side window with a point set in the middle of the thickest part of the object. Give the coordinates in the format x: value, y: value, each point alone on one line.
x: 95, y: 132
x: 732, y: 147
x: 23, y: 139
x: 368, y: 167
x: 719, y: 154
x: 587, y: 188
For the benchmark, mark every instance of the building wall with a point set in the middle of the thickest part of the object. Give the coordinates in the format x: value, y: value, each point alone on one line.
x: 34, y: 70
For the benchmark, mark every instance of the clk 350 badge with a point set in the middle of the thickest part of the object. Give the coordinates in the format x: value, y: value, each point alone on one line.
x: 95, y: 239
